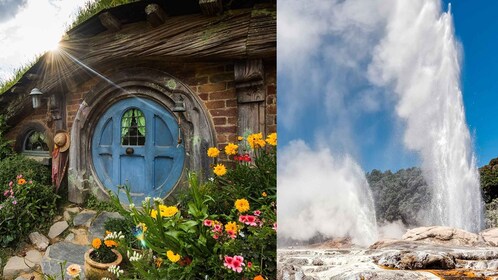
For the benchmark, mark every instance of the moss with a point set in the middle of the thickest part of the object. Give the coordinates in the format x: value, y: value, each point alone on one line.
x: 264, y: 12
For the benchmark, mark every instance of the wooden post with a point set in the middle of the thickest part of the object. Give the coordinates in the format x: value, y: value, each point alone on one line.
x: 211, y: 7
x: 110, y: 22
x: 155, y: 15
x: 251, y: 96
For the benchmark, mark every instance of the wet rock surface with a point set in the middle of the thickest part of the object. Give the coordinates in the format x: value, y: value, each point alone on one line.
x: 425, y: 253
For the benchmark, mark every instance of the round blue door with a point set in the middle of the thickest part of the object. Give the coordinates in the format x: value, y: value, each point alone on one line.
x: 135, y: 144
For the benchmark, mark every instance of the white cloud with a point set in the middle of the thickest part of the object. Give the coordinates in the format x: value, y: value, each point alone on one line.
x: 35, y: 28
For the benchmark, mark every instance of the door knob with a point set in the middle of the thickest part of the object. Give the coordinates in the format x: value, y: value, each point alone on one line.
x: 129, y: 151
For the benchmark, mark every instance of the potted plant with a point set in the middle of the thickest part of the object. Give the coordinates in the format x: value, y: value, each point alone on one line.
x: 103, y: 260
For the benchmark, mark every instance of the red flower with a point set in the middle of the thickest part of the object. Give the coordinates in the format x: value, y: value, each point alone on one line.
x: 208, y: 223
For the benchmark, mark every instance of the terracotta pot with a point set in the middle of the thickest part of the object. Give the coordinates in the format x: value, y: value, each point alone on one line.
x: 96, y: 271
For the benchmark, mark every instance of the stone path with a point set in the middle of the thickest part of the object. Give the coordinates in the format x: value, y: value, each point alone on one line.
x: 65, y: 243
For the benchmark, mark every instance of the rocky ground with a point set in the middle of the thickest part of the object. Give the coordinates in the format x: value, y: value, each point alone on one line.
x: 66, y: 242
x: 422, y: 253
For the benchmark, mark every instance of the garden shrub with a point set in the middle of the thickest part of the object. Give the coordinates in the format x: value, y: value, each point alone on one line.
x: 29, y: 168
x: 222, y: 229
x: 25, y: 206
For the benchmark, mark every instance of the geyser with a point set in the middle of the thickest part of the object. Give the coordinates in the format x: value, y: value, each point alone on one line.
x: 319, y: 193
x: 420, y: 59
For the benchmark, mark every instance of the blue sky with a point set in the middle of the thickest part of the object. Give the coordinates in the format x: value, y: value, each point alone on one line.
x: 476, y: 27
x: 328, y: 97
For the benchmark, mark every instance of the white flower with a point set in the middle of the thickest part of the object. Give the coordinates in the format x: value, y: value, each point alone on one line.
x: 211, y: 179
x: 135, y: 256
x: 158, y: 200
x: 114, y: 235
x: 106, y: 278
x: 116, y: 270
x: 132, y: 205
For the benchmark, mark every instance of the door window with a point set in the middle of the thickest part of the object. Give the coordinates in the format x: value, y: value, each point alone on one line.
x: 133, y: 128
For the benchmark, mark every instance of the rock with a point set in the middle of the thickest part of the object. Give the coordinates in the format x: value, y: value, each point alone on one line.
x: 39, y: 240
x: 69, y: 237
x: 15, y: 266
x: 84, y: 218
x: 97, y: 227
x: 444, y: 236
x: 63, y: 252
x: 57, y: 228
x: 415, y: 260
x: 70, y: 212
x: 33, y: 258
x: 490, y: 236
x: 80, y: 236
x: 66, y: 251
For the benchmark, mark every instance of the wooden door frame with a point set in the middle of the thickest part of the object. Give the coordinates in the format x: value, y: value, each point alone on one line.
x: 196, y: 125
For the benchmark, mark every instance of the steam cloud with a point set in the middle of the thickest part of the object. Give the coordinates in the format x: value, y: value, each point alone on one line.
x: 405, y: 54
x: 320, y: 194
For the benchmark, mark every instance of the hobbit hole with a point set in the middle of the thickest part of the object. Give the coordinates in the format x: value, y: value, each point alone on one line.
x: 117, y: 91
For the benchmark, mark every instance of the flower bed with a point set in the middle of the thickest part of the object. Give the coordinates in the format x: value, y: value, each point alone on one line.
x: 224, y: 228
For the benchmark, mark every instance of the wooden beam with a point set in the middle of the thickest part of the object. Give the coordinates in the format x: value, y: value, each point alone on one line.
x: 18, y: 89
x: 110, y: 22
x: 31, y: 76
x: 155, y: 15
x: 211, y: 7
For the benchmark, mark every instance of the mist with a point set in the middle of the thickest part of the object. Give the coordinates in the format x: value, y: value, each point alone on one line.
x: 323, y: 194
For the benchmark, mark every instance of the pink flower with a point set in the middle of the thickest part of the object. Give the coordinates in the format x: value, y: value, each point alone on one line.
x: 208, y: 223
x: 248, y: 220
x: 30, y: 181
x: 275, y: 226
x: 19, y: 176
x: 216, y: 236
x: 14, y: 202
x: 11, y: 183
x: 234, y: 263
x: 249, y: 264
x: 217, y: 228
x: 232, y: 234
x: 257, y: 213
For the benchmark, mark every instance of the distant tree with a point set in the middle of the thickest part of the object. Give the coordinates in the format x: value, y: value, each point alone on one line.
x: 400, y: 195
x: 489, y: 180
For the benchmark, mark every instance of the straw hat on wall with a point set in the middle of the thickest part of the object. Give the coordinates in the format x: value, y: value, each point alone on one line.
x: 62, y: 140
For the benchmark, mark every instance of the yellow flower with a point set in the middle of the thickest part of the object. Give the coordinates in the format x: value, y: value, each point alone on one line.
x: 153, y: 213
x: 240, y: 138
x: 96, y: 242
x: 172, y: 256
x: 272, y: 139
x: 220, y: 170
x: 143, y: 226
x: 231, y: 149
x: 242, y: 205
x: 110, y: 243
x: 231, y: 226
x: 213, y: 152
x: 256, y: 141
x: 21, y: 181
x: 159, y: 262
x: 264, y: 194
x: 73, y: 270
x: 167, y: 211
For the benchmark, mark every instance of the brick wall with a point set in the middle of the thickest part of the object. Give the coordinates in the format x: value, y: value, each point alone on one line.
x: 213, y: 84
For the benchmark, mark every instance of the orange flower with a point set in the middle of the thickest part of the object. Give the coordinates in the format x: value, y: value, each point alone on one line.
x: 96, y: 243
x: 21, y: 181
x: 259, y: 277
x: 110, y: 243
